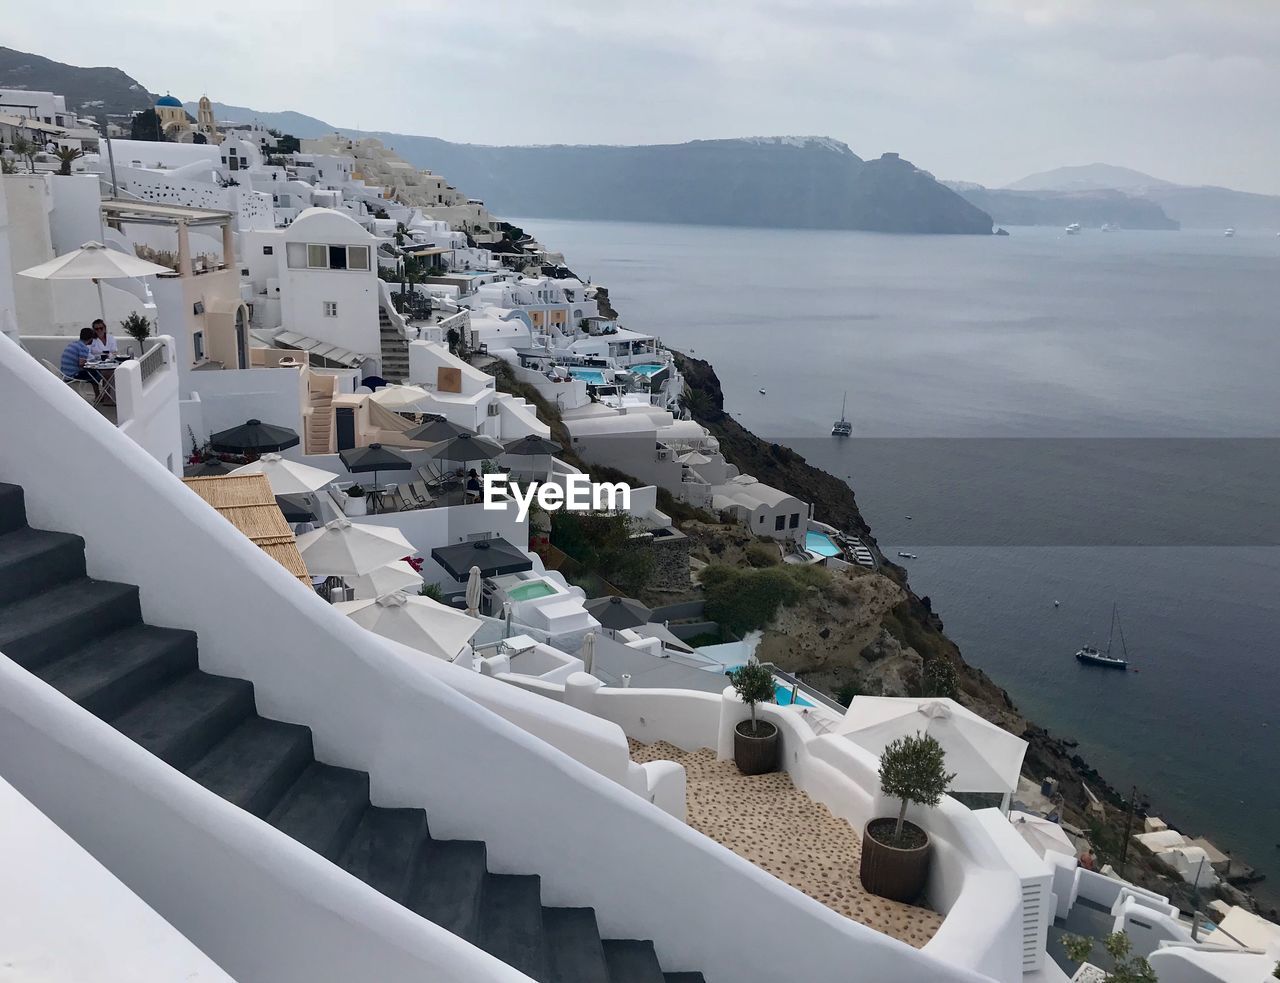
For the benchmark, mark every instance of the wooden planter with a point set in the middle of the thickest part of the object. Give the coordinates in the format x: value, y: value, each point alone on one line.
x: 755, y: 755
x: 896, y: 873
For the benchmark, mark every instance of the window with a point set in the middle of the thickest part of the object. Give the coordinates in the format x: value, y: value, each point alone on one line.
x: 780, y: 522
x: 296, y: 254
x: 337, y: 257
x: 357, y: 257
x: 317, y: 257
x: 330, y: 308
x: 197, y: 345
x: 795, y: 519
x: 268, y: 250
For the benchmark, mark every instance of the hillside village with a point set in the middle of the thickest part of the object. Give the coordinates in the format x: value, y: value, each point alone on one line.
x: 332, y: 350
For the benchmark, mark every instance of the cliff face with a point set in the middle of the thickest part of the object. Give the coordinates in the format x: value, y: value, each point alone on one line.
x: 89, y: 91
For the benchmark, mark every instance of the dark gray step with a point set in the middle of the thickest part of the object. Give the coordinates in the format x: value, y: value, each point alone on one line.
x: 511, y: 923
x: 39, y: 629
x: 448, y: 885
x: 108, y: 675
x: 683, y: 978
x: 32, y: 560
x: 13, y: 508
x: 180, y: 722
x: 385, y: 849
x: 632, y: 961
x: 323, y: 808
x: 254, y: 765
x: 574, y: 949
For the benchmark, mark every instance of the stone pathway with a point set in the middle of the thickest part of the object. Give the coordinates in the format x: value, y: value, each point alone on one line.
x: 767, y: 820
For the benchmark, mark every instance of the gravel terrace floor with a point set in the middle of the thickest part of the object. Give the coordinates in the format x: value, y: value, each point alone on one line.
x: 767, y: 820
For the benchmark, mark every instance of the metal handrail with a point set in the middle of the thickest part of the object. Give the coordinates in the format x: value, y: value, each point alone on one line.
x: 152, y: 361
x: 798, y: 684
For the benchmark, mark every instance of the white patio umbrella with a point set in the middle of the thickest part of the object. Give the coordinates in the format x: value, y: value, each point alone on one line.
x: 288, y: 477
x: 342, y: 548
x: 400, y: 398
x: 473, y: 591
x: 1043, y: 836
x: 96, y: 262
x: 387, y: 579
x: 984, y: 757
x: 418, y: 622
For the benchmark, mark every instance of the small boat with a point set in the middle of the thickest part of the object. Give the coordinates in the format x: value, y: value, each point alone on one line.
x: 1108, y: 227
x: 1229, y: 233
x: 907, y: 556
x: 842, y: 427
x: 763, y: 393
x: 1091, y: 656
x: 1073, y: 229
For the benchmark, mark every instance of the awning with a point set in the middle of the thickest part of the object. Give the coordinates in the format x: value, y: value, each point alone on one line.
x: 319, y: 349
x: 493, y: 557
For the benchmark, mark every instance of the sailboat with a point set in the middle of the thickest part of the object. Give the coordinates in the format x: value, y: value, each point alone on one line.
x: 1090, y: 655
x: 842, y: 427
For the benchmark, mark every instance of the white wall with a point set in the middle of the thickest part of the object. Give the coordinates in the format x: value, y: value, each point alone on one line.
x: 230, y: 397
x: 368, y: 709
x: 147, y: 412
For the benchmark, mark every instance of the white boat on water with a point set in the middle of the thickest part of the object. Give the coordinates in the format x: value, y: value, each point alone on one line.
x: 1073, y: 229
x: 1091, y: 656
x: 1108, y: 227
x: 1229, y: 233
x: 842, y: 427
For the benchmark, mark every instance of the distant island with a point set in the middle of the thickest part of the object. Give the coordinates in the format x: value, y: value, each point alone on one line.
x: 1097, y: 194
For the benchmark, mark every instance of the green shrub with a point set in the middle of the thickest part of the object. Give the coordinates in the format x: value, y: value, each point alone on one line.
x: 939, y: 679
x: 760, y: 555
x: 743, y: 600
x: 136, y: 327
x: 603, y: 544
x: 432, y: 591
x: 1127, y: 967
x: 912, y: 769
x: 753, y: 684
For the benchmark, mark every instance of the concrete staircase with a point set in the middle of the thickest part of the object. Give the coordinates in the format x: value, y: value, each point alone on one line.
x: 86, y: 638
x: 319, y: 430
x: 395, y: 349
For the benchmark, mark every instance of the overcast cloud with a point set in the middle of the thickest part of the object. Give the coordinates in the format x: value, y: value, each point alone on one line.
x: 982, y: 90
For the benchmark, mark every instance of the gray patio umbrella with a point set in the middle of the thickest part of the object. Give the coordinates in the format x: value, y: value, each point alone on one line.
x: 616, y: 613
x: 206, y: 469
x: 298, y: 507
x: 493, y: 556
x: 434, y: 431
x: 466, y: 448
x: 375, y: 458
x: 254, y: 437
x: 532, y: 446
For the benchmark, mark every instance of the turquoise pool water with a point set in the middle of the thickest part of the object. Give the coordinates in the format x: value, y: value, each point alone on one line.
x: 820, y: 543
x: 781, y: 693
x: 527, y: 592
x: 593, y: 376
x: 646, y: 369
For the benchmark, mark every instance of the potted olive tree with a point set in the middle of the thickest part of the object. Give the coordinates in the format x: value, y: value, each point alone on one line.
x: 895, y: 852
x: 356, y: 503
x: 755, y: 741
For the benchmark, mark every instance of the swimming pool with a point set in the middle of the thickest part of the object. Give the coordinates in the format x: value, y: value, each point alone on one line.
x: 782, y: 695
x: 527, y: 592
x: 646, y: 369
x: 593, y: 376
x: 821, y: 543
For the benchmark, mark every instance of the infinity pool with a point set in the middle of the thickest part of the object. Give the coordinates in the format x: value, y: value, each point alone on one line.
x: 821, y: 543
x: 646, y: 369
x: 527, y: 592
x: 593, y: 376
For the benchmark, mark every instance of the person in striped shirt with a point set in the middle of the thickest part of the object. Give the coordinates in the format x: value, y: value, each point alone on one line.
x: 74, y: 357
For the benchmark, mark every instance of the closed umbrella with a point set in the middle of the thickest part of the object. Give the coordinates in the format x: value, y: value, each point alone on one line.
x: 616, y: 613
x: 342, y: 548
x: 434, y: 431
x: 387, y: 579
x: 254, y: 437
x: 96, y: 262
x: 1042, y: 835
x: 288, y: 477
x: 418, y: 622
x: 473, y: 592
x: 589, y: 652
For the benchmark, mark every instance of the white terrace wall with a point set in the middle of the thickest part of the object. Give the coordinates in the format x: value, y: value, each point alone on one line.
x: 422, y: 743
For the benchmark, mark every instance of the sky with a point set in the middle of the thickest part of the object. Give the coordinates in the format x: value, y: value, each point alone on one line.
x: 977, y: 90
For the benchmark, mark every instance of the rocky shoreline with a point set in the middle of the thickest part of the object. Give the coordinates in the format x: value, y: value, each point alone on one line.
x: 913, y: 623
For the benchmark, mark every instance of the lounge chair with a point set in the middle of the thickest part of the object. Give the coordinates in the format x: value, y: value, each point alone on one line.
x: 423, y: 494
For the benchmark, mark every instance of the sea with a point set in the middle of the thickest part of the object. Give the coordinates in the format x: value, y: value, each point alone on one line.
x: 1059, y: 427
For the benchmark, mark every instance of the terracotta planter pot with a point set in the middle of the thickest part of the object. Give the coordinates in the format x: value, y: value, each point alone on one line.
x: 755, y: 755
x: 896, y: 873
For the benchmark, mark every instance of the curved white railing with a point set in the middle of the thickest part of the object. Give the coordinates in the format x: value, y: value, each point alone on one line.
x: 422, y: 743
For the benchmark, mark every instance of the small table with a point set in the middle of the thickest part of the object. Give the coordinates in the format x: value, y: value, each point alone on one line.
x: 105, y: 369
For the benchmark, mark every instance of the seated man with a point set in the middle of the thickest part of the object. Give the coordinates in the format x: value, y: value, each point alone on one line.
x: 74, y: 357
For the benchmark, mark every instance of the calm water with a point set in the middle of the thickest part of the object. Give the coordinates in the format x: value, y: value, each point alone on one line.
x: 989, y: 380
